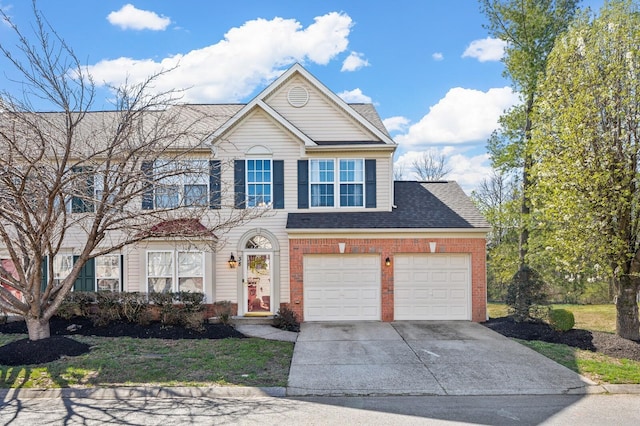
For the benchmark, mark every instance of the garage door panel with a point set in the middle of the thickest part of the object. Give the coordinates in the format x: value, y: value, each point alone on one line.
x: 432, y: 287
x: 341, y: 287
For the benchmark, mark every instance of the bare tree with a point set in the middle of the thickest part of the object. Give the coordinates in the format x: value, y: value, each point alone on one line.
x: 398, y: 171
x: 430, y: 166
x: 92, y: 178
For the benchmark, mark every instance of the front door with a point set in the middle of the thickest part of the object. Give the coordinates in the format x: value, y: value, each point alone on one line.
x: 258, y: 283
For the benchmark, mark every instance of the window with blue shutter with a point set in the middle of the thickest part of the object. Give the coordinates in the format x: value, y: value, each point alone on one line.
x: 147, y: 194
x: 215, y: 175
x: 278, y: 184
x: 239, y: 184
x: 82, y: 202
x: 303, y: 184
x: 370, y: 183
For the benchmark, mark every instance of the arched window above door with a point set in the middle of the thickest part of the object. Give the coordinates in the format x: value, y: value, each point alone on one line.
x: 259, y: 242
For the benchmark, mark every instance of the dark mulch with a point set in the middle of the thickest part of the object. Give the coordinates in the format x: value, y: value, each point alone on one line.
x: 26, y: 352
x: 595, y: 341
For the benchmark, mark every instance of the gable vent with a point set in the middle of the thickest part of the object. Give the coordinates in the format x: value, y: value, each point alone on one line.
x: 298, y: 96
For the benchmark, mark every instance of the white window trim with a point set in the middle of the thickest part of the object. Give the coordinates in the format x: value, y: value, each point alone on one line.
x: 336, y: 184
x: 247, y: 183
x: 181, y: 180
x: 175, y: 277
x: 119, y: 277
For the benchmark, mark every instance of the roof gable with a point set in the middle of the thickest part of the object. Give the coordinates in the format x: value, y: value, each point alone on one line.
x: 371, y: 124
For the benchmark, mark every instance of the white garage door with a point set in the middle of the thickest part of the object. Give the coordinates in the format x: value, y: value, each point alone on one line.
x: 341, y: 287
x: 432, y: 287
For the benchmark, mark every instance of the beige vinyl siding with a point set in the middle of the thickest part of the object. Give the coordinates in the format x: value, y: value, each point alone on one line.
x: 320, y: 118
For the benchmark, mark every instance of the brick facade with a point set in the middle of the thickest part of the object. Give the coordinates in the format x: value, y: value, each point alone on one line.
x: 476, y: 247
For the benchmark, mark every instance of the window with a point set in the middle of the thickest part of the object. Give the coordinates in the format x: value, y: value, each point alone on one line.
x: 258, y: 183
x: 108, y: 272
x: 322, y: 182
x: 351, y: 183
x: 190, y: 272
x: 349, y: 180
x: 183, y: 183
x: 164, y: 274
x: 62, y: 266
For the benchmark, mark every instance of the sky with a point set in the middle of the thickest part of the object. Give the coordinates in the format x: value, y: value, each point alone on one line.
x: 429, y: 66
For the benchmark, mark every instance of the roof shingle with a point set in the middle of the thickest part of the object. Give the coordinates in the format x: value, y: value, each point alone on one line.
x: 420, y: 205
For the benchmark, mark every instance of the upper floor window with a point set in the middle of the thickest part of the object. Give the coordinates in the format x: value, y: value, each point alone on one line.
x: 322, y: 183
x: 259, y: 183
x: 348, y: 183
x: 181, y: 183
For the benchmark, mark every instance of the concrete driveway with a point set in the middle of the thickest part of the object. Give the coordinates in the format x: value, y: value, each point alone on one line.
x: 420, y: 358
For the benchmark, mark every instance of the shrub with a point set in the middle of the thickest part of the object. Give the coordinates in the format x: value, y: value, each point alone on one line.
x: 69, y: 309
x: 525, y: 291
x: 135, y: 308
x: 192, y: 302
x: 286, y: 319
x: 85, y: 301
x: 223, y: 311
x: 169, y: 312
x: 561, y: 319
x: 107, y: 308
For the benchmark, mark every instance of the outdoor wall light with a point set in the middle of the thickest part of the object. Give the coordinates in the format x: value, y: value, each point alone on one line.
x: 233, y: 262
x: 387, y: 261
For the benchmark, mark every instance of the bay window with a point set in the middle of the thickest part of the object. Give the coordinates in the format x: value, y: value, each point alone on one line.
x: 173, y: 271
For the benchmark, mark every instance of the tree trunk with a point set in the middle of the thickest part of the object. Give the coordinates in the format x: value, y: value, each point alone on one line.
x: 38, y: 328
x: 627, y: 322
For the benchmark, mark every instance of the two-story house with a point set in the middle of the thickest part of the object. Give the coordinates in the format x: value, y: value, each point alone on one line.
x: 340, y: 239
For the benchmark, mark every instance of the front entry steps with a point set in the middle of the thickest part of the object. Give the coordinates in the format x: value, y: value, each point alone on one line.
x: 249, y: 320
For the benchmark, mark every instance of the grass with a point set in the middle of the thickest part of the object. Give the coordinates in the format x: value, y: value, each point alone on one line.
x: 598, y: 367
x: 125, y: 361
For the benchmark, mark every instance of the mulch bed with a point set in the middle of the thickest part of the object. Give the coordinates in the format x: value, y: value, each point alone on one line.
x: 26, y: 352
x: 595, y: 341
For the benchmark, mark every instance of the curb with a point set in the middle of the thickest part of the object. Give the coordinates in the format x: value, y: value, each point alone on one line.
x: 144, y: 392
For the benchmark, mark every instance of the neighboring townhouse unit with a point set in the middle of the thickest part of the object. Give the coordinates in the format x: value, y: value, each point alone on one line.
x: 339, y: 239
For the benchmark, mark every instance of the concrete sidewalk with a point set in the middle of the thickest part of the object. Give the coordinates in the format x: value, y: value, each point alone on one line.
x: 421, y: 358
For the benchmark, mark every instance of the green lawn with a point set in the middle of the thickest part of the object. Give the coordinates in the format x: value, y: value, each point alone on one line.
x: 599, y: 368
x: 128, y: 362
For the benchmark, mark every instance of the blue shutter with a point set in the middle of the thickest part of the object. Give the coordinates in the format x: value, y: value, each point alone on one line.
x: 278, y: 184
x: 303, y: 184
x: 239, y: 184
x: 84, y: 204
x: 214, y: 184
x: 370, y: 183
x: 86, y: 280
x: 147, y: 194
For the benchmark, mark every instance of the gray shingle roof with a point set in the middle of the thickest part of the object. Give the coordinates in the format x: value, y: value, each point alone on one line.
x: 420, y: 205
x: 200, y: 119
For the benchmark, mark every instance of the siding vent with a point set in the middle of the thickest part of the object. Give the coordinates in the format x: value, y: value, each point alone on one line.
x: 298, y: 96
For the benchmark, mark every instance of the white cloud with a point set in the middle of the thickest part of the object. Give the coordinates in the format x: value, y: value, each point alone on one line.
x: 437, y: 56
x: 248, y: 56
x: 396, y: 124
x: 355, y: 96
x: 463, y: 115
x: 486, y: 49
x: 468, y: 170
x: 354, y: 62
x: 131, y: 18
